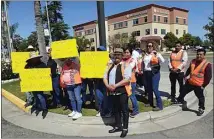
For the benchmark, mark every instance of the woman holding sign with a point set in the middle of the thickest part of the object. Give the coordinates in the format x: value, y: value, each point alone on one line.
x: 70, y: 77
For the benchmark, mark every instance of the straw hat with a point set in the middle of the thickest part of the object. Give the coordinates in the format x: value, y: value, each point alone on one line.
x: 33, y: 55
x: 118, y: 50
x: 30, y: 47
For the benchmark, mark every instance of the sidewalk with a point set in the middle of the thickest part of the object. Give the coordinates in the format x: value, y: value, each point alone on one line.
x: 90, y: 126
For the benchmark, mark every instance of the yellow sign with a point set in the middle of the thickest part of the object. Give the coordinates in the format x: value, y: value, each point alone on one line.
x: 36, y: 80
x: 93, y: 64
x: 19, y: 61
x: 64, y: 49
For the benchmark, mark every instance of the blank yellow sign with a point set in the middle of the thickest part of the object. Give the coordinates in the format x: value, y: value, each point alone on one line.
x: 19, y: 61
x: 64, y: 49
x: 93, y: 64
x: 36, y: 80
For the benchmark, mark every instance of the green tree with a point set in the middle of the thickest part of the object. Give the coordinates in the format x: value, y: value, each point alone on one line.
x: 210, y: 30
x: 197, y: 41
x: 187, y: 39
x: 13, y: 29
x: 207, y: 43
x: 59, y: 30
x: 82, y: 42
x: 32, y: 39
x: 17, y: 40
x: 132, y: 41
x: 170, y: 40
x: 22, y: 46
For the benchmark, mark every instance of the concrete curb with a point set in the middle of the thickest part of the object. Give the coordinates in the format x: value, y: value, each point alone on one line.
x: 15, y: 100
x: 9, y: 81
x: 92, y: 120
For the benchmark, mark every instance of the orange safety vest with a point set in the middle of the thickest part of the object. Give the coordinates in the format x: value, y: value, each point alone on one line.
x: 127, y: 86
x: 133, y: 77
x: 197, y: 74
x: 154, y: 60
x: 176, y: 59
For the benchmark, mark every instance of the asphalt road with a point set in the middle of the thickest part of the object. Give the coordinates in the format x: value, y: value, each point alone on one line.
x: 202, y: 128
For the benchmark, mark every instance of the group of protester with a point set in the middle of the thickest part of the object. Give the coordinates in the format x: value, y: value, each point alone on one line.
x: 126, y: 69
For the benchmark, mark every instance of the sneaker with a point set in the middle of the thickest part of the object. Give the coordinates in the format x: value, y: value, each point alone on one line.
x: 77, y: 115
x: 72, y: 114
x: 98, y: 114
x: 132, y: 115
x: 200, y: 112
x: 156, y: 109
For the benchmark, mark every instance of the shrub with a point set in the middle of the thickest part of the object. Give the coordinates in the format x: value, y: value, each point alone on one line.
x: 7, y: 72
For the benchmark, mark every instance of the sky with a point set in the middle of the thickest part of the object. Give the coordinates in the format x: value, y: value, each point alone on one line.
x: 74, y: 13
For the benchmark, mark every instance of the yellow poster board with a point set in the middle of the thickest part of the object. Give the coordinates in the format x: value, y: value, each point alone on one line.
x: 19, y: 61
x: 36, y: 80
x: 64, y: 49
x: 93, y: 64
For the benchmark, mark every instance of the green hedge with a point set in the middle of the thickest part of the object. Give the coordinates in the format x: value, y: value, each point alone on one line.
x: 7, y: 72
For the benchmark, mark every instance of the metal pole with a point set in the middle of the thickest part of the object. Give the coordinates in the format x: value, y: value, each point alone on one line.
x: 49, y: 28
x: 101, y: 23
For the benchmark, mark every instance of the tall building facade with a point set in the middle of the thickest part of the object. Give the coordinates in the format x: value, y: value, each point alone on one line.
x: 150, y: 22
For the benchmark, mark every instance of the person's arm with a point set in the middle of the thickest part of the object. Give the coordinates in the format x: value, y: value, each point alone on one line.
x: 188, y: 71
x: 184, y: 60
x: 105, y: 80
x: 127, y: 77
x: 207, y: 75
x: 160, y: 57
x: 169, y: 64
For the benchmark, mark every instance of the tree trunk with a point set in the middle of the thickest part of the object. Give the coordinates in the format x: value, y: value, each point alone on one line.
x: 40, y: 31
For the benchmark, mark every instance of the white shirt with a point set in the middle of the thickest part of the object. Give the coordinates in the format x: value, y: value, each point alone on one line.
x: 147, y: 59
x: 135, y: 54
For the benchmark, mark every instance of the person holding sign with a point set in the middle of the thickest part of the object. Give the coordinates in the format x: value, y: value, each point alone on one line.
x: 128, y: 60
x: 103, y: 108
x: 40, y: 100
x: 55, y: 80
x: 70, y: 77
x: 29, y: 95
x: 117, y: 81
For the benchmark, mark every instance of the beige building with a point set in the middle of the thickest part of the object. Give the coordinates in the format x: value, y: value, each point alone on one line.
x: 150, y: 22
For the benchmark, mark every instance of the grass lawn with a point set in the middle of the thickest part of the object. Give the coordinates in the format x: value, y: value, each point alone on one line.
x: 14, y: 88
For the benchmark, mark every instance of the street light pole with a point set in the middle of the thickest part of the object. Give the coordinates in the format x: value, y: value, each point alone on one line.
x: 49, y: 28
x: 101, y: 23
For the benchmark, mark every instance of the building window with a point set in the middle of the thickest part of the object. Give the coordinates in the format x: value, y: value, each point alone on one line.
x: 89, y: 32
x: 184, y: 31
x: 176, y: 31
x: 125, y: 35
x: 163, y: 31
x: 177, y: 20
x: 165, y: 19
x: 145, y: 19
x: 155, y: 31
x: 126, y: 24
x: 136, y: 33
x: 184, y: 21
x: 92, y: 40
x: 155, y: 18
x: 158, y: 18
x: 78, y: 34
x: 120, y: 25
x: 135, y: 22
x: 147, y: 31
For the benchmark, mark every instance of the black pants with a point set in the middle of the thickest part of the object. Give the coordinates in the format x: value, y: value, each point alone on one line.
x: 139, y: 78
x: 173, y: 77
x: 198, y: 92
x: 120, y: 104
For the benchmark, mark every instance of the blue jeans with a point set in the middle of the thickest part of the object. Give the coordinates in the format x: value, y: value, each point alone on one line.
x: 134, y: 99
x: 56, y: 90
x: 155, y: 86
x: 102, y: 99
x: 40, y: 100
x: 29, y: 97
x: 90, y: 84
x: 74, y: 92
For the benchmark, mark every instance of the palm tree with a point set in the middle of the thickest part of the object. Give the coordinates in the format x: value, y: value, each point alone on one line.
x: 40, y: 31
